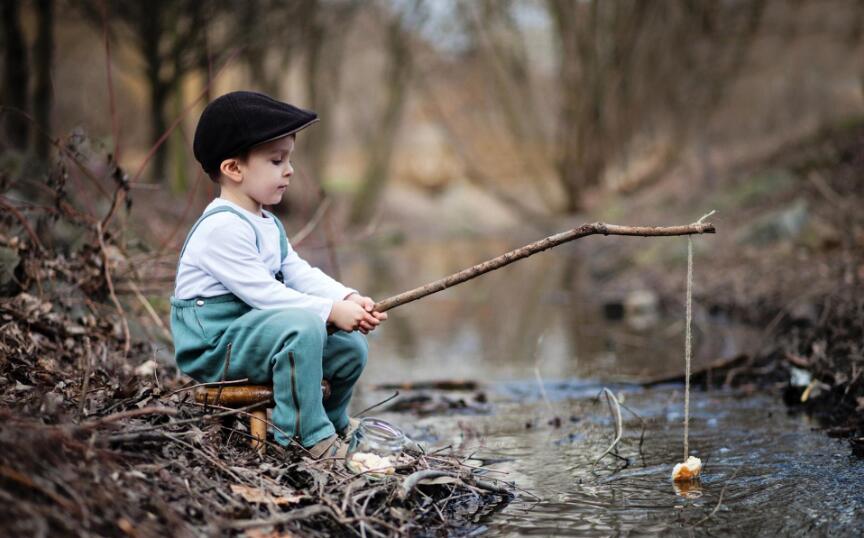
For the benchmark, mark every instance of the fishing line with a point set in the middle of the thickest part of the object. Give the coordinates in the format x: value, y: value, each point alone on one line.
x: 688, y: 338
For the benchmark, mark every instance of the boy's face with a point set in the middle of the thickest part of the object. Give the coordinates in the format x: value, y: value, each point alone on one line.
x: 266, y: 172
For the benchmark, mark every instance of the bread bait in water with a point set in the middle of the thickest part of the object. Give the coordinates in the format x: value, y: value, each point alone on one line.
x: 687, y: 471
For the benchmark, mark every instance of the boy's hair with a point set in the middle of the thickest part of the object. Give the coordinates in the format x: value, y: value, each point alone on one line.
x: 243, y: 155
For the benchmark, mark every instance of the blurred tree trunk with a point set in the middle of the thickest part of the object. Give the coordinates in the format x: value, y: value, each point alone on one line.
x: 15, y: 75
x: 149, y: 29
x: 581, y: 128
x: 501, y: 45
x: 271, y: 29
x: 203, y: 62
x: 43, y: 96
x: 254, y: 52
x: 168, y: 35
x: 381, y: 143
x: 854, y: 41
x: 177, y: 146
x: 326, y: 29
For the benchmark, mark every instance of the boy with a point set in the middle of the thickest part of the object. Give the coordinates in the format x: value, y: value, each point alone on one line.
x: 239, y: 282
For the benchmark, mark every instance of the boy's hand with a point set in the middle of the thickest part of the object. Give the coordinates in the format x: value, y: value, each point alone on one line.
x: 368, y: 305
x: 350, y: 316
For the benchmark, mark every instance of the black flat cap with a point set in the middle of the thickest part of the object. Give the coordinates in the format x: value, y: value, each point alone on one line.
x: 236, y: 121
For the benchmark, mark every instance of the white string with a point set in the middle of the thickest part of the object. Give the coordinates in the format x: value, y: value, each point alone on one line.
x: 688, y: 345
x: 688, y: 340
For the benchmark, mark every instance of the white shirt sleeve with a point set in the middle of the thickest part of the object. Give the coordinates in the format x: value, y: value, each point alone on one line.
x: 303, y: 277
x: 233, y: 260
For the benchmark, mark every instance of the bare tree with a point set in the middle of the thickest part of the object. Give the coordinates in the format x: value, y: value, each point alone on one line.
x: 43, y: 56
x: 15, y: 75
x: 400, y: 65
x: 629, y: 68
x: 503, y: 59
x: 169, y: 36
x: 324, y: 39
x: 271, y: 31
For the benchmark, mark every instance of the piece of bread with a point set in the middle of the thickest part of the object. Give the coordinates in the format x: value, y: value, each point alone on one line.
x: 689, y: 470
x: 360, y: 462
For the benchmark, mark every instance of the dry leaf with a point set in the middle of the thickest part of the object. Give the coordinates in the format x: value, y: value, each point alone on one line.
x: 147, y: 368
x: 258, y: 495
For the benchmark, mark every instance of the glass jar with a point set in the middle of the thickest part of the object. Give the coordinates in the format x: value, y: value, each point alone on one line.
x: 374, y: 447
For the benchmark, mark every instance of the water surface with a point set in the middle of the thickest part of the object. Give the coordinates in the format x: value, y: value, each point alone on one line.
x: 776, y: 475
x: 555, y: 321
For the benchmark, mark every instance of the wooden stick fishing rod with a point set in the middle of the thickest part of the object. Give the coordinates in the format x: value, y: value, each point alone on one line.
x: 597, y: 228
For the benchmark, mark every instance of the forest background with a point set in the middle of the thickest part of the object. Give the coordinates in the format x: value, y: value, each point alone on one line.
x: 451, y: 130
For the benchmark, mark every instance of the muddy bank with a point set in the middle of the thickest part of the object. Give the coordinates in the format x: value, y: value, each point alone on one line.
x: 97, y: 440
x: 819, y: 363
x: 814, y: 308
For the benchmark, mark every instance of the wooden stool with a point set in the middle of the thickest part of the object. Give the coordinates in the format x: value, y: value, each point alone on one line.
x: 235, y: 396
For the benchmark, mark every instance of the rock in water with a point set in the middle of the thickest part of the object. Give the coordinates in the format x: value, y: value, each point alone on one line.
x: 689, y: 470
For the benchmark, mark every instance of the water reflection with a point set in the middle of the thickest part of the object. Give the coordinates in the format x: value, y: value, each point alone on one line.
x: 491, y: 327
x: 690, y: 489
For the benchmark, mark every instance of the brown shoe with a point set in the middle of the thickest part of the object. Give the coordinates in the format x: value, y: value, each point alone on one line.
x: 331, y: 447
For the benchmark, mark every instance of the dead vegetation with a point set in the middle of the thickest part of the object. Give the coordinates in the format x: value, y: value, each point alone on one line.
x: 96, y: 438
x: 813, y: 310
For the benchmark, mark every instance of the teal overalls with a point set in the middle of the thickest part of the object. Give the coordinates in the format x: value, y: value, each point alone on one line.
x: 288, y: 347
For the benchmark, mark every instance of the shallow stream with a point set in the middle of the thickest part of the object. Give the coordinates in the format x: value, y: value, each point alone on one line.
x: 767, y: 470
x: 543, y: 337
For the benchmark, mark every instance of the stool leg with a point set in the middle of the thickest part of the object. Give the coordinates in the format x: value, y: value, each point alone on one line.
x: 258, y: 429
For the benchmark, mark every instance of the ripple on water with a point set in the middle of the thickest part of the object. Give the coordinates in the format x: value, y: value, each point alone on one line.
x: 775, y: 474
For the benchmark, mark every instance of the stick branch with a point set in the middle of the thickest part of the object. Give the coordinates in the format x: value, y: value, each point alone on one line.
x: 597, y: 228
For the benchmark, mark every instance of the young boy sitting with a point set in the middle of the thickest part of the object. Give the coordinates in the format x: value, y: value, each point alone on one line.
x: 239, y: 282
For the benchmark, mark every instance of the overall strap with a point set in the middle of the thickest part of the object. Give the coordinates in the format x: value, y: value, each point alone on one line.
x: 283, y: 238
x: 283, y: 245
x: 220, y: 209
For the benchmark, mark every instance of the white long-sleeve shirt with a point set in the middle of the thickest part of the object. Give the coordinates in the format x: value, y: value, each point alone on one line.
x: 221, y: 257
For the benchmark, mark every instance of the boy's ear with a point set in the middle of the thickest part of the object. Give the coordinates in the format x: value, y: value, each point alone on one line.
x: 230, y: 168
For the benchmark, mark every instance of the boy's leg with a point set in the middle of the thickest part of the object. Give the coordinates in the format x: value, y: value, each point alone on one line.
x: 344, y: 358
x: 282, y: 346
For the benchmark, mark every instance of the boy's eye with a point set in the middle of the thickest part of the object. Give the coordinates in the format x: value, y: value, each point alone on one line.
x: 276, y: 161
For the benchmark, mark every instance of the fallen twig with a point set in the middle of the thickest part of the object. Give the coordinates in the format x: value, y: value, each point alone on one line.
x: 227, y: 365
x: 413, y: 480
x: 150, y: 311
x: 619, y: 427
x: 127, y: 339
x: 300, y: 513
x: 719, y: 499
x: 123, y: 415
x: 644, y: 426
x: 211, y: 384
x: 373, y: 406
x: 87, y: 359
x: 26, y: 225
